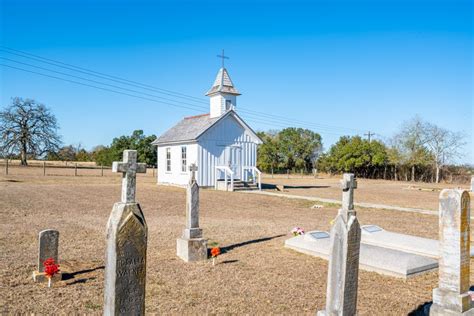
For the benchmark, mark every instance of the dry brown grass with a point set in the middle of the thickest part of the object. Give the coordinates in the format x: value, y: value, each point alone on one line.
x: 399, y: 193
x: 255, y: 276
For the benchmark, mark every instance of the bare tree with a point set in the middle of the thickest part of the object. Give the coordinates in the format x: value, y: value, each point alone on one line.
x: 28, y: 128
x: 443, y: 144
x: 412, y: 141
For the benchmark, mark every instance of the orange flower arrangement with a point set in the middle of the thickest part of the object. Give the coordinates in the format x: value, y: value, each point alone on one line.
x: 214, y: 253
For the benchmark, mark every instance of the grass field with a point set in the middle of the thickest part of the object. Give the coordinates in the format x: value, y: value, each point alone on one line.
x: 255, y: 275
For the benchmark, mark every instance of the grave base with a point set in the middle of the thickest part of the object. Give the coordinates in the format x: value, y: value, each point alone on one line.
x: 191, y: 250
x: 453, y: 303
x: 41, y: 277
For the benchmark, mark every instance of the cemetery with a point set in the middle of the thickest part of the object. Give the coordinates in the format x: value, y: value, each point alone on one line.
x: 152, y: 252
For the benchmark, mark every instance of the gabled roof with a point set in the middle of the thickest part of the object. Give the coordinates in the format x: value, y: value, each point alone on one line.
x: 223, y: 84
x: 192, y: 127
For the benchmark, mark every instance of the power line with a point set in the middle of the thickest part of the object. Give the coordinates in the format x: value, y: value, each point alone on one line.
x: 369, y: 134
x: 159, y: 90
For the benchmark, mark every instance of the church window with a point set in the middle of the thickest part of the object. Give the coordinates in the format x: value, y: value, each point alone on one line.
x: 168, y: 159
x: 228, y: 105
x: 183, y: 159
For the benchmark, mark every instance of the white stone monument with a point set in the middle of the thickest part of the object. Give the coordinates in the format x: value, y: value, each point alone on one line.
x: 191, y: 246
x: 343, y: 269
x: 125, y: 262
x: 452, y: 295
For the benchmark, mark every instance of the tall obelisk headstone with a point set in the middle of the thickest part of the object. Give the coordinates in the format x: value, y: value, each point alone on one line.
x: 452, y: 297
x: 48, y: 248
x: 343, y: 269
x: 125, y: 262
x: 191, y: 246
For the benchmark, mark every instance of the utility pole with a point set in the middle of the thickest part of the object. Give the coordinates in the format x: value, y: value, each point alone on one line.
x: 369, y: 135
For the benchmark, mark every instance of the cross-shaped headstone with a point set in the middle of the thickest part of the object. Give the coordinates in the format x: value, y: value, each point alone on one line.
x: 348, y: 184
x: 223, y: 57
x: 129, y: 168
x: 193, y: 168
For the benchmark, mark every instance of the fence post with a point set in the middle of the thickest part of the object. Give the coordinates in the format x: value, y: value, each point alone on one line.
x: 101, y: 170
x: 301, y: 173
x: 44, y: 168
x: 272, y: 172
x: 288, y: 173
x: 153, y: 171
x: 6, y: 167
x: 75, y: 169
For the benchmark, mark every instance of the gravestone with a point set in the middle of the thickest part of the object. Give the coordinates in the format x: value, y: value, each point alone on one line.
x: 452, y: 295
x: 377, y: 236
x: 472, y: 183
x: 391, y: 262
x: 48, y: 248
x: 191, y: 246
x: 343, y: 270
x: 125, y: 262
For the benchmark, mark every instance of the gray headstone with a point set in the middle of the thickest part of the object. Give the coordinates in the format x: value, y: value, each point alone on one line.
x: 191, y: 246
x: 125, y: 262
x: 348, y: 184
x: 472, y: 183
x: 129, y: 169
x: 343, y: 270
x: 48, y: 247
x: 452, y: 295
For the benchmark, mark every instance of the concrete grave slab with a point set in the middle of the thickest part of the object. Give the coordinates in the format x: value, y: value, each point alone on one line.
x: 377, y: 236
x: 382, y: 260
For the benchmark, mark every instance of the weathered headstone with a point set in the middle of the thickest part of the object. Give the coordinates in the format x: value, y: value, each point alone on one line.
x: 125, y: 263
x: 191, y: 246
x: 343, y: 270
x: 472, y: 183
x: 48, y: 248
x: 452, y: 295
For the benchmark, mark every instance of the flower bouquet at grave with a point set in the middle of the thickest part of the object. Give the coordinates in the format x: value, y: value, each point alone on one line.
x: 297, y: 231
x: 215, y: 251
x: 50, y: 269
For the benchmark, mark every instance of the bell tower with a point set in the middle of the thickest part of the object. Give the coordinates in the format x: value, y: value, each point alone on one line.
x: 223, y: 94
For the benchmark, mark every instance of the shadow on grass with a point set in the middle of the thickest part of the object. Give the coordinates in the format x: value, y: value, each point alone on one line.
x: 248, y: 242
x: 421, y: 310
x: 306, y: 186
x: 84, y: 280
x: 68, y: 276
x: 229, y: 261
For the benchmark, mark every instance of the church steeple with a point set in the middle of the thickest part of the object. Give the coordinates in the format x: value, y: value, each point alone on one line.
x: 223, y: 94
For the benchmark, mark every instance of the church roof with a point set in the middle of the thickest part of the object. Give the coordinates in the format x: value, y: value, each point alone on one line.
x: 223, y: 84
x: 190, y: 128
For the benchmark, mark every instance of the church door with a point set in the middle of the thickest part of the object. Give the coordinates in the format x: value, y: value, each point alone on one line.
x: 234, y: 157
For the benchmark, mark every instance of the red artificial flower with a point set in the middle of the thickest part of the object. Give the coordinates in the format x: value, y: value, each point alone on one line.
x: 50, y: 267
x: 215, y: 251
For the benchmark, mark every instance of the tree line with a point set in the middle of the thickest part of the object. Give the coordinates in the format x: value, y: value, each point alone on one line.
x: 420, y: 150
x: 28, y: 130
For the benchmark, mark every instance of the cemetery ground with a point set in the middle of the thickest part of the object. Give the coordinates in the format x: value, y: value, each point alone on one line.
x: 254, y: 275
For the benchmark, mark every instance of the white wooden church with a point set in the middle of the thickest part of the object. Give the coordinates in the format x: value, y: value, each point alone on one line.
x: 220, y: 143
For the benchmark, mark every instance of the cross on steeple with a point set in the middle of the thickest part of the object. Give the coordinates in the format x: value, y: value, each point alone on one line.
x: 129, y: 168
x: 193, y: 168
x: 223, y: 57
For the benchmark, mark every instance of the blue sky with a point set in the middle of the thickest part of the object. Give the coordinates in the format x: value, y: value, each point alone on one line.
x: 342, y: 67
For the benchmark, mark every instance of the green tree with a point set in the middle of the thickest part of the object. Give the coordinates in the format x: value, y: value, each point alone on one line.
x: 298, y: 147
x: 268, y: 156
x: 137, y: 141
x: 354, y: 154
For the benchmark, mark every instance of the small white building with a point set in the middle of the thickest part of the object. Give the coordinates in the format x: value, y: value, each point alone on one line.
x: 220, y: 143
